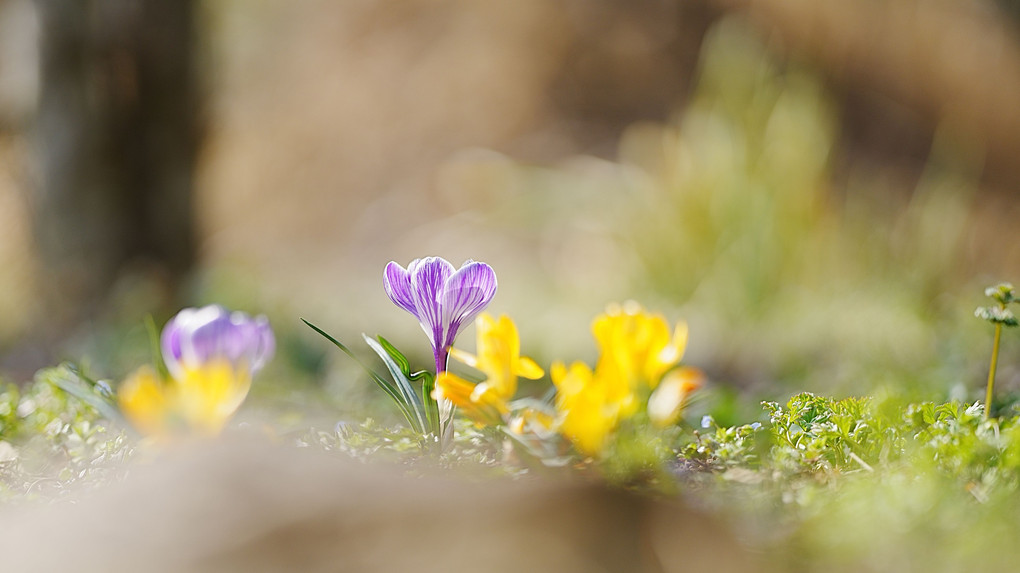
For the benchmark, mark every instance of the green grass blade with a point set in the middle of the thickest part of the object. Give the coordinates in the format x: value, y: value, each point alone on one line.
x: 67, y: 379
x: 155, y: 349
x: 386, y: 385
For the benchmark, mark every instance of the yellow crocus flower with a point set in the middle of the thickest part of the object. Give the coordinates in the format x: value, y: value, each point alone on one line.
x: 638, y: 345
x: 588, y: 412
x: 499, y: 358
x: 637, y: 349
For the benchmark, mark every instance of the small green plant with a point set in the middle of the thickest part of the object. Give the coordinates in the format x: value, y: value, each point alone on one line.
x: 1000, y: 316
x: 420, y: 411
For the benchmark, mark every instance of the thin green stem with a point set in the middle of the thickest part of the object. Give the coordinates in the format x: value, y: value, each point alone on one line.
x: 991, y: 370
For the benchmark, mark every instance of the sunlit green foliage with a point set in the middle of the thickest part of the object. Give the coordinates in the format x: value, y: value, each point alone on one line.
x: 868, y: 484
x: 51, y: 440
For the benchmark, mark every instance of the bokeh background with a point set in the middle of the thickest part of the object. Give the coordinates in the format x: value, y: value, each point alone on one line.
x: 821, y: 188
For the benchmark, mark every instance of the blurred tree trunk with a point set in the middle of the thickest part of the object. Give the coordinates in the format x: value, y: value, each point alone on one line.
x: 116, y: 138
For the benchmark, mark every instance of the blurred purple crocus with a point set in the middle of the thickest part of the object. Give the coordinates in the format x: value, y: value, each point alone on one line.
x: 441, y: 298
x: 197, y: 336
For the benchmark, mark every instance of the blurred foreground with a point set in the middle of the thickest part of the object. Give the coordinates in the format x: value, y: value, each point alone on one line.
x: 241, y: 506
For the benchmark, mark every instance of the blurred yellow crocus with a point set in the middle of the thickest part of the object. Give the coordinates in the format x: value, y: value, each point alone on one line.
x: 638, y: 345
x: 636, y: 350
x: 198, y: 401
x: 499, y: 358
x: 588, y: 412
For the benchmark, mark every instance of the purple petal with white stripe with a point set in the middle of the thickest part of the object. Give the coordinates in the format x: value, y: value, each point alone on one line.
x: 170, y: 342
x: 428, y: 276
x: 440, y: 297
x: 465, y: 294
x: 265, y: 343
x: 197, y: 336
x: 397, y: 283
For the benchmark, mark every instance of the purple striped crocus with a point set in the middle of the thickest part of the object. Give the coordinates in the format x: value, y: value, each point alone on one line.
x: 442, y: 298
x: 198, y: 336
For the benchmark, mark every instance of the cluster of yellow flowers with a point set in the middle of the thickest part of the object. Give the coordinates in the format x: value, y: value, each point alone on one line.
x: 636, y: 374
x: 499, y: 358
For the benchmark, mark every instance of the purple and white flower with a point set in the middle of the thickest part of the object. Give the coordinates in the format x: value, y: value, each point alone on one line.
x: 198, y: 336
x: 442, y: 298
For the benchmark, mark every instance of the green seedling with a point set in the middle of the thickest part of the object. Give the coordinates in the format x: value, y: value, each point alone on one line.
x: 1000, y: 316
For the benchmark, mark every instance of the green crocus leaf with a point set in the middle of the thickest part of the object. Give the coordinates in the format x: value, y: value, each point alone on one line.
x: 406, y: 408
x: 403, y: 384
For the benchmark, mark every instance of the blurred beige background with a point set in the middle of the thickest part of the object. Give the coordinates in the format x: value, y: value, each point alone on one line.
x: 822, y: 189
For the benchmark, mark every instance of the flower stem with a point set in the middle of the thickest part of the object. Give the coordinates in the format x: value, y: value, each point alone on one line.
x: 991, y: 370
x: 442, y: 356
x: 442, y: 406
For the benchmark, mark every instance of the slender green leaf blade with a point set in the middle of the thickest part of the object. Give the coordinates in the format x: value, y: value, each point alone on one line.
x: 154, y: 348
x: 401, y: 381
x: 67, y: 380
x: 402, y: 361
x: 386, y: 385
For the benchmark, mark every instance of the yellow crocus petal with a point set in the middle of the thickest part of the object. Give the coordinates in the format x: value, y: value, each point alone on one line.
x: 669, y: 400
x: 588, y: 423
x: 511, y: 343
x: 143, y: 401
x: 498, y: 355
x: 454, y: 388
x: 210, y: 394
x: 587, y: 415
x: 528, y: 368
x: 477, y: 402
x: 572, y: 381
x: 464, y: 357
x: 637, y: 345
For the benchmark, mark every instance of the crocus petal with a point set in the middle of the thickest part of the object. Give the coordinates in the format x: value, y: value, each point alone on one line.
x: 212, y: 332
x: 265, y: 344
x: 170, y: 343
x: 177, y: 339
x: 466, y: 293
x: 464, y: 357
x: 144, y: 403
x: 197, y: 336
x: 483, y: 407
x: 667, y: 402
x: 527, y: 368
x: 397, y: 282
x: 209, y: 395
x: 428, y: 276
